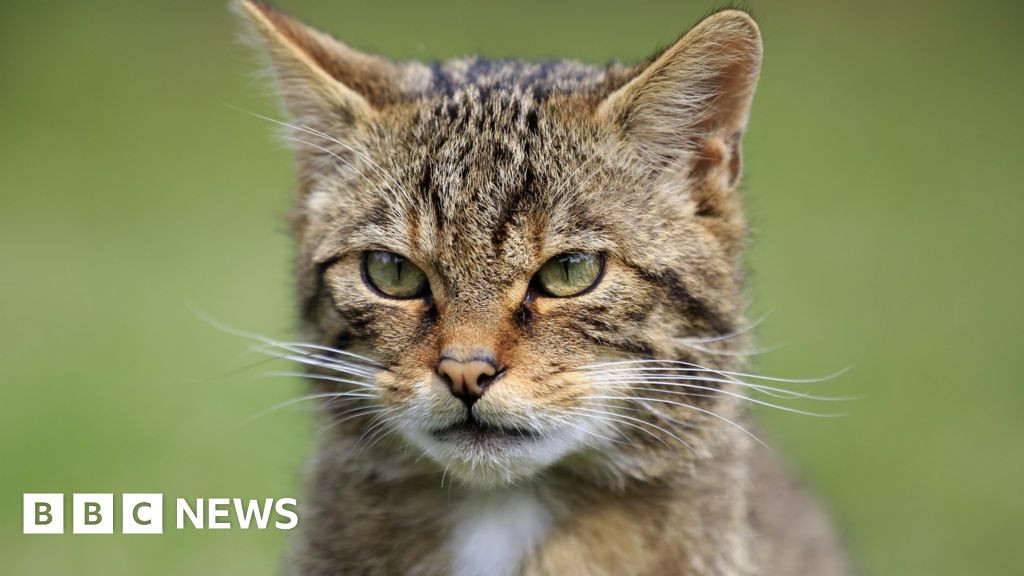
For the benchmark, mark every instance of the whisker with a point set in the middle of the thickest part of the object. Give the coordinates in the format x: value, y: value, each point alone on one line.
x: 772, y: 391
x: 568, y: 180
x: 357, y: 357
x: 568, y: 422
x: 382, y: 431
x: 653, y: 378
x: 611, y: 414
x: 729, y: 335
x: 315, y: 376
x: 578, y: 412
x: 290, y: 347
x: 337, y: 157
x: 307, y: 398
x: 444, y: 474
x: 329, y: 365
x: 314, y: 132
x: 629, y: 386
x: 325, y: 361
x: 699, y: 368
x: 239, y: 370
x: 632, y: 386
x: 582, y: 181
x: 351, y: 414
x: 655, y: 366
x: 661, y: 415
x: 737, y: 353
x: 641, y: 399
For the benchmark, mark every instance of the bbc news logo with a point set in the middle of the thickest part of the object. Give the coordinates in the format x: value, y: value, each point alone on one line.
x: 144, y: 513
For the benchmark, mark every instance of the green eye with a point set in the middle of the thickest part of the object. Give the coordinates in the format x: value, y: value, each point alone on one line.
x: 394, y: 276
x: 569, y: 274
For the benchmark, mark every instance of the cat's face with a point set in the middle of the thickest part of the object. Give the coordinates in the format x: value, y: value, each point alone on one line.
x: 492, y: 235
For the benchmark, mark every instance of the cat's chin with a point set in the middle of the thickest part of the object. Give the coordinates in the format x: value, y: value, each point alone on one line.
x: 487, y: 457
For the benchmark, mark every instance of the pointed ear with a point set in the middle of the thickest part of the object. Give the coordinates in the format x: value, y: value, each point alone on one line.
x: 319, y: 77
x: 685, y: 110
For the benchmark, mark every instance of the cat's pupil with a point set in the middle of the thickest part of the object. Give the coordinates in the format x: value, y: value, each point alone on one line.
x: 392, y: 275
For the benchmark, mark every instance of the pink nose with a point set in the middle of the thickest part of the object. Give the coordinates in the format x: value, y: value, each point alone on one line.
x: 467, y: 379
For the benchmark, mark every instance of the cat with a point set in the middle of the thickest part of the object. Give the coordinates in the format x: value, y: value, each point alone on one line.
x: 520, y: 285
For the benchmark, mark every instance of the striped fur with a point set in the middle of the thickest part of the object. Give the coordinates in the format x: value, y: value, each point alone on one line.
x: 478, y: 172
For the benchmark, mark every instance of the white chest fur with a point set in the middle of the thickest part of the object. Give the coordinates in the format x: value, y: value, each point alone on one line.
x: 494, y: 532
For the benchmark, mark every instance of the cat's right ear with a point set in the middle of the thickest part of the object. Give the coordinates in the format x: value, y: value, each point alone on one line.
x: 319, y: 78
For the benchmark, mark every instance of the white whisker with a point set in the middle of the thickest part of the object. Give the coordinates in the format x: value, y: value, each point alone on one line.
x: 600, y: 369
x: 295, y: 348
x: 659, y: 428
x: 737, y: 353
x: 772, y: 391
x: 320, y: 360
x: 338, y: 157
x: 358, y: 358
x: 324, y: 377
x: 382, y: 431
x: 630, y: 385
x: 314, y: 132
x: 569, y: 422
x: 329, y: 365
x: 641, y: 399
x: 728, y: 335
x: 307, y: 398
x: 351, y: 414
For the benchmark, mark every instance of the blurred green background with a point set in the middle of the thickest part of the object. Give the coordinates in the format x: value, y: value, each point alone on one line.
x: 883, y: 183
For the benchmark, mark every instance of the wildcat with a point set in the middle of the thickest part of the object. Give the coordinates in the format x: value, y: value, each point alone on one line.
x: 521, y: 296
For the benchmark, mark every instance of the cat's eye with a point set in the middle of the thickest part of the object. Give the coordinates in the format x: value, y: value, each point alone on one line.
x: 569, y: 274
x: 393, y: 275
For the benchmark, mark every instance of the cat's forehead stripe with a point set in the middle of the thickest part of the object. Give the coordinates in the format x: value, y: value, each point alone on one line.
x: 536, y: 79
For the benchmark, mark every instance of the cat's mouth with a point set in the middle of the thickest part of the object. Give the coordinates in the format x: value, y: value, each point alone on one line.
x: 474, y: 429
x: 488, y: 453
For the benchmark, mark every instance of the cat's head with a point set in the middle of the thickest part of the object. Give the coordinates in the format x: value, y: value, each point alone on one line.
x: 504, y: 238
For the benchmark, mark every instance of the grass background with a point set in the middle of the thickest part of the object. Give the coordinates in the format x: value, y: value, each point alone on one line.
x: 882, y: 179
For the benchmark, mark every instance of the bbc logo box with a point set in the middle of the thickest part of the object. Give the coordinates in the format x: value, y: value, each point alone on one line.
x: 43, y: 514
x: 93, y: 514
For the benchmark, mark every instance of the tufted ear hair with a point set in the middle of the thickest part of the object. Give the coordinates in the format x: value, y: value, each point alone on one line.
x: 319, y: 77
x: 686, y: 109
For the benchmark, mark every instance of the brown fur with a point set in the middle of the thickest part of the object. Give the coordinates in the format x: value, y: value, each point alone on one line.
x: 479, y: 172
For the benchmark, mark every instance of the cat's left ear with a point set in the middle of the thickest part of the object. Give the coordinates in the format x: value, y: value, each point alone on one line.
x: 320, y: 79
x: 685, y: 111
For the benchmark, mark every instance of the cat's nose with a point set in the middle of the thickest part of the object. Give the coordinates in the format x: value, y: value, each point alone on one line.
x: 467, y: 378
